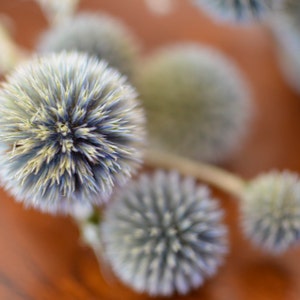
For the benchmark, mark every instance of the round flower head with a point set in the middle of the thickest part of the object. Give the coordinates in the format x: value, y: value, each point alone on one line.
x: 271, y: 211
x: 164, y: 235
x: 96, y: 34
x: 195, y: 100
x: 285, y: 25
x: 237, y: 10
x: 70, y: 129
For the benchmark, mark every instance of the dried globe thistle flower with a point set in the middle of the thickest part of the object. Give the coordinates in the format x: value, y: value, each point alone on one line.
x: 164, y: 235
x: 241, y: 10
x: 70, y: 129
x: 196, y: 102
x: 271, y: 211
x: 96, y: 34
x: 285, y: 25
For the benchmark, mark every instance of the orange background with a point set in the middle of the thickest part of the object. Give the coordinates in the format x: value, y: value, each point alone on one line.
x: 40, y: 257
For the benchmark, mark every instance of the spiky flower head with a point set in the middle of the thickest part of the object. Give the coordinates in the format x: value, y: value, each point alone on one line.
x: 271, y: 211
x: 196, y: 102
x: 70, y: 129
x: 163, y: 234
x: 96, y: 34
x: 237, y: 10
x: 285, y: 25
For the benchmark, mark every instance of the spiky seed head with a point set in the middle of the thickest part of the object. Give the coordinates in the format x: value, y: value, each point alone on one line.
x: 196, y: 102
x: 163, y: 234
x: 285, y: 25
x: 70, y: 129
x: 271, y: 211
x: 238, y: 10
x: 97, y: 34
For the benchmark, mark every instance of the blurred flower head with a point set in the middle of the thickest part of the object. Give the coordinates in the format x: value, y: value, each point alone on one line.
x: 271, y: 211
x: 163, y: 234
x: 70, y: 129
x: 285, y: 25
x: 238, y: 10
x: 96, y: 34
x: 196, y: 102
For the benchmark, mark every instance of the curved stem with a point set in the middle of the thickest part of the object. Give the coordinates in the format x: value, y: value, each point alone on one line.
x: 224, y: 180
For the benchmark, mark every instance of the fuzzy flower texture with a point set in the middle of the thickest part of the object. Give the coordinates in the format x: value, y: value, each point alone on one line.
x: 271, y: 211
x: 164, y: 234
x: 97, y: 34
x: 241, y: 10
x: 70, y: 129
x: 286, y: 28
x: 196, y: 101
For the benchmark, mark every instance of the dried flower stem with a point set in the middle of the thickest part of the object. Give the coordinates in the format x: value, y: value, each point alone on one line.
x: 211, y: 174
x: 11, y: 54
x: 57, y: 11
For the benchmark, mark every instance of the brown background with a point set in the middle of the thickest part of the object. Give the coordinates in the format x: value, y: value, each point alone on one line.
x: 40, y: 257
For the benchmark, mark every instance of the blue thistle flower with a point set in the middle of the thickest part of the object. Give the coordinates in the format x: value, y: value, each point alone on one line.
x: 96, y: 34
x: 196, y: 102
x: 164, y: 234
x: 271, y: 211
x: 70, y: 129
x: 285, y: 25
x: 241, y: 10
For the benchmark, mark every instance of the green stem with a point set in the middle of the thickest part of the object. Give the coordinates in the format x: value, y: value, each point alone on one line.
x: 213, y: 175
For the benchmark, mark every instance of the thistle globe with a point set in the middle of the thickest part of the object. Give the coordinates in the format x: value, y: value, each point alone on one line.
x: 285, y: 25
x: 96, y: 34
x: 70, y: 129
x: 271, y: 211
x: 163, y: 234
x: 196, y: 102
x: 238, y: 10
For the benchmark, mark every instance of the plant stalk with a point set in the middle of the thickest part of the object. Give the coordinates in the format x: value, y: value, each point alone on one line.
x: 213, y: 175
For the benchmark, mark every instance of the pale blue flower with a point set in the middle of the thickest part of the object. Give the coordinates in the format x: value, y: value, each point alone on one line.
x: 96, y: 34
x: 70, y: 130
x: 237, y: 10
x: 270, y: 210
x: 164, y: 234
x: 196, y: 101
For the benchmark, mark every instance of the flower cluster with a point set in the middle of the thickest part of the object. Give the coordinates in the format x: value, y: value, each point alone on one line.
x: 72, y: 135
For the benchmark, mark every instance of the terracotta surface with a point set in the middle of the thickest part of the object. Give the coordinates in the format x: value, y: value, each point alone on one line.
x: 40, y: 257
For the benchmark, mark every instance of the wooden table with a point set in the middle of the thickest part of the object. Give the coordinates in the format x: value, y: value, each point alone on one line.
x: 40, y: 257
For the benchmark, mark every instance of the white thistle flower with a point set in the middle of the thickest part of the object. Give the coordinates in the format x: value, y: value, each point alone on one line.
x: 164, y: 235
x: 196, y: 102
x: 70, y: 129
x: 96, y: 34
x: 238, y: 10
x: 271, y: 211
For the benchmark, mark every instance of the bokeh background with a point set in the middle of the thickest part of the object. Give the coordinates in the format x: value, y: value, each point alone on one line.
x: 40, y: 257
